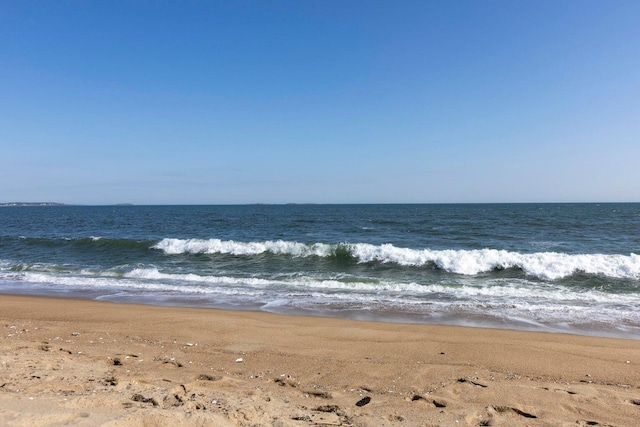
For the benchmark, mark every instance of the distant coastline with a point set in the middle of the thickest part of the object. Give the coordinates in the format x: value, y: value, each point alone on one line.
x: 54, y: 204
x: 32, y: 204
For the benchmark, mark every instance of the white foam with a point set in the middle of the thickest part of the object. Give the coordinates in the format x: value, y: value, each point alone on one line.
x: 109, y: 284
x: 217, y: 246
x: 544, y: 265
x: 154, y: 274
x: 508, y: 299
x: 514, y: 292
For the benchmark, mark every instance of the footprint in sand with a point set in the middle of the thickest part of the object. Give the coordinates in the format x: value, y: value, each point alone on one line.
x: 319, y: 394
x: 512, y: 410
x: 436, y: 403
x: 585, y: 423
x: 206, y: 377
x: 477, y: 384
x: 559, y: 390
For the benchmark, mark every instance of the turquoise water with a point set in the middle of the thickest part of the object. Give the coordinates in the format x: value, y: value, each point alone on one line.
x: 552, y: 267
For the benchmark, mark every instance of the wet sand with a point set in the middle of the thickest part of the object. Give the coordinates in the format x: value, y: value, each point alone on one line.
x: 88, y: 363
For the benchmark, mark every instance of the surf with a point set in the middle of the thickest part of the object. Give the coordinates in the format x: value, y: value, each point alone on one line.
x: 542, y: 265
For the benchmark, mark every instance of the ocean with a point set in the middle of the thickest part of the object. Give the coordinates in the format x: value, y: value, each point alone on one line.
x: 545, y: 267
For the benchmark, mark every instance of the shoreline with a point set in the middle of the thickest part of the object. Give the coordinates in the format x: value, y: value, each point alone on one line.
x: 399, y: 317
x: 90, y: 362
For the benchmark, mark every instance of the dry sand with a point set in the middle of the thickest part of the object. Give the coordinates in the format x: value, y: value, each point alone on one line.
x: 88, y: 363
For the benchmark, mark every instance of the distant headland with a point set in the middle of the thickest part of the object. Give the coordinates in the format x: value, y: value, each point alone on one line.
x: 32, y: 204
x: 53, y: 204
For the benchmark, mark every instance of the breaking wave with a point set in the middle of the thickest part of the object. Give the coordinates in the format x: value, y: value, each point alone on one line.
x: 151, y: 279
x: 543, y: 265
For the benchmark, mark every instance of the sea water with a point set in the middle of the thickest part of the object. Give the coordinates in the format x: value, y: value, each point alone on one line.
x: 548, y: 267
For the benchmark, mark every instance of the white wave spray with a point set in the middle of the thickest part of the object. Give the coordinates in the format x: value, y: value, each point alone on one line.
x: 543, y: 265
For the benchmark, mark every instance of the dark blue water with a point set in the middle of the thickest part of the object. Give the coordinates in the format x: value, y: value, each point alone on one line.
x: 557, y: 267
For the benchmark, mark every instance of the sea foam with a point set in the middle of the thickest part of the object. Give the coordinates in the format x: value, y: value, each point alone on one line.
x: 511, y: 292
x: 543, y: 265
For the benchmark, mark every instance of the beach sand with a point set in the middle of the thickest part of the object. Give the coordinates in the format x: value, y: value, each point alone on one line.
x: 89, y: 363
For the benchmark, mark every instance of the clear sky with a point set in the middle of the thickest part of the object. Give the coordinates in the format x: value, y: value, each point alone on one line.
x: 207, y: 102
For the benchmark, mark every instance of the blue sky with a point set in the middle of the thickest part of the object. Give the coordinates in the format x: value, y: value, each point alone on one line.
x: 161, y: 102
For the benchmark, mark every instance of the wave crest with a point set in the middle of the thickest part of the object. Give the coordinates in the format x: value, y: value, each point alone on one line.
x: 217, y: 246
x: 543, y: 265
